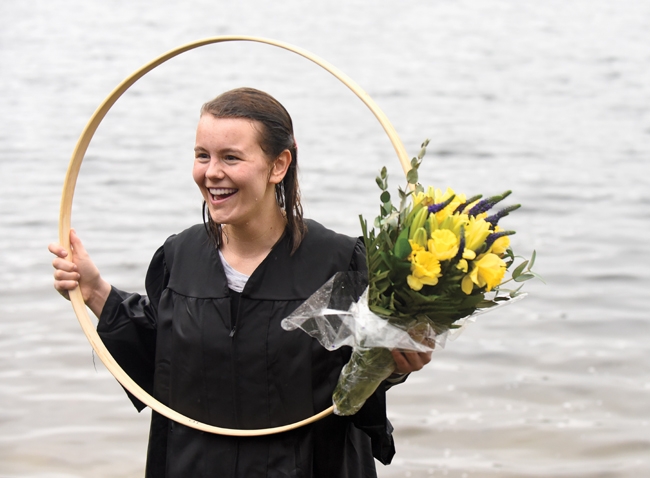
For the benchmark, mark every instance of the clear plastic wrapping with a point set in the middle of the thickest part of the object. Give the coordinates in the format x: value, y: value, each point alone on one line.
x: 338, y: 315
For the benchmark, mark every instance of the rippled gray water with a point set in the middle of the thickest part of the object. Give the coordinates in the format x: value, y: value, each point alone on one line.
x: 550, y: 99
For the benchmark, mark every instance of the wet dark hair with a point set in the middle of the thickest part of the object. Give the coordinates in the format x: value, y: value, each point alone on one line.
x: 275, y: 134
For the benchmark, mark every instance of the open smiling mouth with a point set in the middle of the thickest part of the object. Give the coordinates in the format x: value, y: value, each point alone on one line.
x: 221, y: 193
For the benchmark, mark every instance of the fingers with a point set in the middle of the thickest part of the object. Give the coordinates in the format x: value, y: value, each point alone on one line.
x: 407, y: 362
x: 57, y: 249
x: 67, y: 271
x: 63, y: 267
x: 66, y: 275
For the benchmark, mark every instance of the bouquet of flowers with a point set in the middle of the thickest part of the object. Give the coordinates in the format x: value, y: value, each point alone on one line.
x: 434, y: 259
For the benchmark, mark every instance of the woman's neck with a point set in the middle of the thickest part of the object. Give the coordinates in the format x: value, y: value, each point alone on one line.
x: 245, y: 246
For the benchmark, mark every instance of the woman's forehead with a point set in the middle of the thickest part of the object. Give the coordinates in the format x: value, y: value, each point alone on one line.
x: 239, y: 130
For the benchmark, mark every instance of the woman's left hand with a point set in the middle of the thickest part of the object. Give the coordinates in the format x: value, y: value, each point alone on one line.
x: 407, y: 362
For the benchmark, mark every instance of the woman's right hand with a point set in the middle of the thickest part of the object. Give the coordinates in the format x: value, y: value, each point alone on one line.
x: 79, y: 271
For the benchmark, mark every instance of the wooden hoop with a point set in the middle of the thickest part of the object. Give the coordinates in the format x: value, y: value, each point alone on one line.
x: 66, y: 212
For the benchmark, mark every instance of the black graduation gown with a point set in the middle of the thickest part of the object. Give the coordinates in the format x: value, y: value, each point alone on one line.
x: 178, y: 344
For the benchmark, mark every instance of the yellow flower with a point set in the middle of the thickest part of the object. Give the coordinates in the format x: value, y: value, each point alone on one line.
x: 419, y: 237
x: 452, y: 223
x: 414, y: 283
x: 469, y: 254
x: 487, y: 271
x: 467, y: 285
x: 462, y: 266
x: 439, y: 197
x: 415, y: 247
x: 417, y: 198
x: 476, y: 231
x: 426, y: 198
x: 443, y: 243
x: 433, y: 222
x: 501, y: 244
x: 425, y: 270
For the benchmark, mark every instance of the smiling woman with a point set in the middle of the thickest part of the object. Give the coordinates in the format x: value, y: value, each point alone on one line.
x: 207, y: 340
x: 204, y: 348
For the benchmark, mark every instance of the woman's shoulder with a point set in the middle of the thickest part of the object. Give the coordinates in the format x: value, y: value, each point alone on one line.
x: 193, y: 262
x: 325, y: 249
x: 195, y: 233
x: 290, y: 276
x: 321, y: 237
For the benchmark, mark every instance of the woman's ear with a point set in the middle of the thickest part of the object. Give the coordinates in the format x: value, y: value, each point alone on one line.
x: 280, y: 167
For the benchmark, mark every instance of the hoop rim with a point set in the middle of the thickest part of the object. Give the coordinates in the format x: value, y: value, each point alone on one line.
x: 65, y: 215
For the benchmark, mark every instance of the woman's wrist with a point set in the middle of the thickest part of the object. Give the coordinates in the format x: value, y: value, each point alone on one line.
x: 98, y: 297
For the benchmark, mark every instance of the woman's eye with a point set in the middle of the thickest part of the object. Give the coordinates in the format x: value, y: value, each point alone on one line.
x: 230, y: 157
x: 202, y: 156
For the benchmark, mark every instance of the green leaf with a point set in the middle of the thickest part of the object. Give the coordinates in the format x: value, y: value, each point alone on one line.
x: 514, y: 293
x: 380, y: 183
x: 412, y: 176
x: 537, y: 276
x: 532, y: 260
x: 402, y: 246
x: 520, y: 268
x: 485, y: 304
x: 523, y: 277
x: 385, y: 197
x: 380, y: 310
x: 364, y: 225
x: 385, y: 239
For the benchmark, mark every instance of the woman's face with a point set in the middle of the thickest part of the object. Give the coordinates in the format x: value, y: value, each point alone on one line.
x: 236, y: 178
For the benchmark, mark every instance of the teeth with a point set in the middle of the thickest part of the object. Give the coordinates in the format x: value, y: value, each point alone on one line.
x: 221, y: 191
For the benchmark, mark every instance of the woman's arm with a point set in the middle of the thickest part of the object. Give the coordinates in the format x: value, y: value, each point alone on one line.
x: 127, y: 321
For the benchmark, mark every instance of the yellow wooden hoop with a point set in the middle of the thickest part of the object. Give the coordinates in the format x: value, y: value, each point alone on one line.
x: 66, y: 212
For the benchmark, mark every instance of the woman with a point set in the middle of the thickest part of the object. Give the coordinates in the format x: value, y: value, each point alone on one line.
x: 207, y: 341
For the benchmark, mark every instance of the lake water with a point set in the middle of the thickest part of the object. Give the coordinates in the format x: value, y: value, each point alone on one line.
x: 550, y: 99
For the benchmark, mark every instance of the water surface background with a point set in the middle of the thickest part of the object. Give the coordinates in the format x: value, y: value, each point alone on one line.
x: 550, y: 99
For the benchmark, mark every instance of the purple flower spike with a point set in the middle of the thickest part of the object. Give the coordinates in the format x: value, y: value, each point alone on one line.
x: 496, y: 235
x: 487, y: 204
x: 461, y: 245
x: 462, y: 206
x: 494, y: 219
x: 434, y: 208
x: 481, y: 207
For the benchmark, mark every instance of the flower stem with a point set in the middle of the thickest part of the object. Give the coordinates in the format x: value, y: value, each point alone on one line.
x: 360, y: 378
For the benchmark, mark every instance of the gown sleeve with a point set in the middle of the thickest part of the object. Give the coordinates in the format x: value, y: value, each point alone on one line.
x: 127, y: 326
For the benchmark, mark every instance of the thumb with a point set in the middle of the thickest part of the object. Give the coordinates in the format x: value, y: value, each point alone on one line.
x: 76, y: 244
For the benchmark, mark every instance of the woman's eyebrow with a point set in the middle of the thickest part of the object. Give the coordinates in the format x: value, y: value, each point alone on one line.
x: 220, y: 151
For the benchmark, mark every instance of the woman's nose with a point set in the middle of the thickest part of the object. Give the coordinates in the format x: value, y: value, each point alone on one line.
x: 215, y: 169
